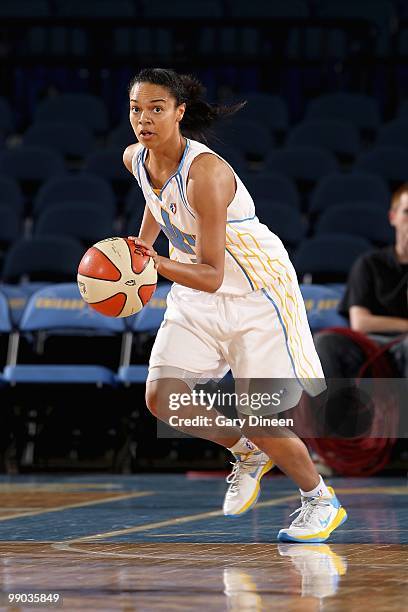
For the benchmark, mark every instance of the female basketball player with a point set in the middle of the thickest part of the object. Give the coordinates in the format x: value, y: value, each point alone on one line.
x: 235, y: 303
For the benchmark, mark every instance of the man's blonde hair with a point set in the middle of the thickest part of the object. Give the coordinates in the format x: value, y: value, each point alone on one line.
x: 397, y: 195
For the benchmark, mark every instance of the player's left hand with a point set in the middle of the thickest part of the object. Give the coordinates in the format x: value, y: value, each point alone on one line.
x: 145, y: 249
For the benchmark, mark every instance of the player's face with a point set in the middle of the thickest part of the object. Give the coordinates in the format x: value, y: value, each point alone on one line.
x: 154, y: 114
x: 399, y: 217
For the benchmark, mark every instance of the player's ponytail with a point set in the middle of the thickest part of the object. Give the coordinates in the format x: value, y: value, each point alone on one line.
x: 199, y: 115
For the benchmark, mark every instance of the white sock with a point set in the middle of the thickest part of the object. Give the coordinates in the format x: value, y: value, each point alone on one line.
x: 320, y: 491
x: 243, y: 446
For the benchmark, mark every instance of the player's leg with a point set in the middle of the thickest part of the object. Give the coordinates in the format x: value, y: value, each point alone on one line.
x: 185, y: 352
x: 161, y: 399
x: 276, y: 346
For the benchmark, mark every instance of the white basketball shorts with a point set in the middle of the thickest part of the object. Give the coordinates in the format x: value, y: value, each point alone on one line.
x: 263, y: 334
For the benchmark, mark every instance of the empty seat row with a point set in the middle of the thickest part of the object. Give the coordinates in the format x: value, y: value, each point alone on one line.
x: 246, y: 136
x: 301, y: 163
x: 56, y: 257
x: 90, y: 111
x: 57, y: 311
x: 335, y: 188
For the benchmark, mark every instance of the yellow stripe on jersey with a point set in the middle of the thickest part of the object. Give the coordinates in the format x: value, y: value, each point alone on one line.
x: 298, y: 338
x: 295, y: 338
x: 292, y: 341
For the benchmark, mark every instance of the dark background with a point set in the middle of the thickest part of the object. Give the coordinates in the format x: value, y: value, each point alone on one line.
x: 294, y: 51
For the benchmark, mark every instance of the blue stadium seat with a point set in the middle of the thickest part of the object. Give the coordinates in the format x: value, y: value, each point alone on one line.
x: 10, y: 225
x: 6, y: 117
x: 277, y: 8
x: 343, y: 188
x: 58, y: 310
x: 86, y: 222
x: 31, y: 163
x: 25, y: 8
x: 142, y: 41
x: 360, y: 110
x: 148, y: 320
x: 274, y: 187
x: 321, y: 303
x: 10, y: 194
x: 380, y: 12
x: 80, y: 188
x: 339, y: 137
x: 307, y: 164
x: 183, y: 8
x: 17, y: 298
x: 56, y: 41
x: 284, y: 221
x: 134, y: 201
x: 246, y: 136
x: 358, y: 220
x: 93, y: 8
x: 5, y: 331
x: 85, y: 109
x: 403, y: 110
x: 390, y: 163
x: 69, y: 139
x: 267, y: 109
x: 234, y: 157
x: 45, y: 258
x: 394, y: 134
x: 122, y: 136
x: 328, y: 258
x: 6, y: 325
x: 109, y: 165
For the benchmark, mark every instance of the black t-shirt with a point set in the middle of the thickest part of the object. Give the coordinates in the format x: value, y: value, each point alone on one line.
x: 378, y: 282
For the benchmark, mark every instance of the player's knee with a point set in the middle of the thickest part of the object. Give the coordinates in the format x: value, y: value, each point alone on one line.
x: 152, y: 398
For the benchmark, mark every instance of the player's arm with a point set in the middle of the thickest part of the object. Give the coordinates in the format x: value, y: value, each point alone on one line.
x: 149, y: 228
x: 128, y: 155
x: 210, y: 189
x: 362, y: 320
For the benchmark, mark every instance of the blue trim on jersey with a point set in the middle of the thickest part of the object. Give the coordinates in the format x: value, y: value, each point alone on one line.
x: 236, y: 261
x: 179, y: 182
x: 171, y: 177
x: 139, y: 155
x: 268, y: 297
x: 242, y: 220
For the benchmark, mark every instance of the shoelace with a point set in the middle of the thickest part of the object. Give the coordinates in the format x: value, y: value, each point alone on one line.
x: 239, y: 466
x: 306, y: 510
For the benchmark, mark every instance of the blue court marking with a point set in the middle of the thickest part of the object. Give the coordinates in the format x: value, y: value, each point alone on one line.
x: 373, y: 517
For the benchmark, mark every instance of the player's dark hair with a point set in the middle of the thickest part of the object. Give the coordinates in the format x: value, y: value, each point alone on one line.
x: 199, y: 115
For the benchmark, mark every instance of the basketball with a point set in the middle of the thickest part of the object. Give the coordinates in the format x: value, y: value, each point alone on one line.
x: 115, y: 279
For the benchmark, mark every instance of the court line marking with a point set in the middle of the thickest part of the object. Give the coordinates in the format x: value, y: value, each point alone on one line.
x: 57, y: 486
x: 94, y: 502
x: 174, y: 521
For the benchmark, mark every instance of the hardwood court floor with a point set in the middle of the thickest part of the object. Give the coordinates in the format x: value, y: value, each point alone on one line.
x: 161, y: 543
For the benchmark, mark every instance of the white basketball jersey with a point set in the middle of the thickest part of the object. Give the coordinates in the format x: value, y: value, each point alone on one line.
x: 254, y: 257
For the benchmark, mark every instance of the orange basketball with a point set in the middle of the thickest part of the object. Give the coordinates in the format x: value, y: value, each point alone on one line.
x: 115, y: 279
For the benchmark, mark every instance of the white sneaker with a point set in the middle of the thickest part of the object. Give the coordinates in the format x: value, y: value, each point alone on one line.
x: 318, y: 517
x: 319, y: 566
x: 244, y: 489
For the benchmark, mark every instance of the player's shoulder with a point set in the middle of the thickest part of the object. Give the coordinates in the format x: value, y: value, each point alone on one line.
x: 206, y: 163
x: 129, y: 153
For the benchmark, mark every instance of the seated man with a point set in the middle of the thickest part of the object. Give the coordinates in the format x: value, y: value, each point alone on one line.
x: 376, y: 302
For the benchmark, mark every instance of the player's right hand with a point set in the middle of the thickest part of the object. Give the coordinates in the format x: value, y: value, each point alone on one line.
x: 145, y: 249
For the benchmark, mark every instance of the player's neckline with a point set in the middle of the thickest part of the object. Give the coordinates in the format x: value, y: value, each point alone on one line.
x: 179, y: 168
